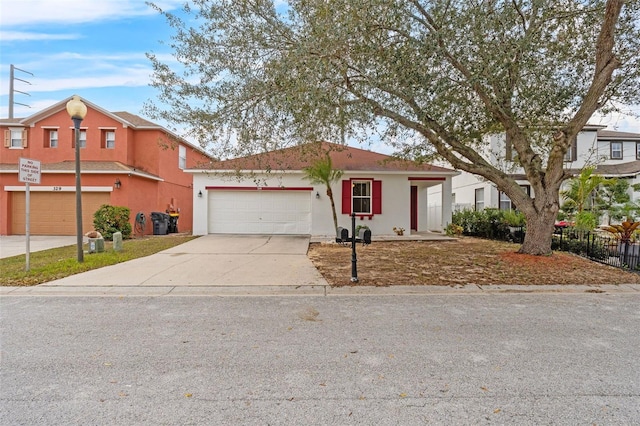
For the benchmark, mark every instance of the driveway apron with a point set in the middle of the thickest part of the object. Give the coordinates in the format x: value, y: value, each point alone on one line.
x: 14, y: 245
x: 213, y: 260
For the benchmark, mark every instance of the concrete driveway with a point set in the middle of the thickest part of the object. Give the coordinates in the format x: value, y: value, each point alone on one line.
x: 213, y: 260
x: 13, y: 245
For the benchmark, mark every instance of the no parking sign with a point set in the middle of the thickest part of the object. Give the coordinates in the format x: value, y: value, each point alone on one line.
x: 29, y: 171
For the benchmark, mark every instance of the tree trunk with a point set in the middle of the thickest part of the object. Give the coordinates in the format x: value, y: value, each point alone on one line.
x: 333, y: 209
x: 540, y: 226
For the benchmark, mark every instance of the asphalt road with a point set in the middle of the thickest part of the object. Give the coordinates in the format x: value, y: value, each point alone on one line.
x: 339, y: 360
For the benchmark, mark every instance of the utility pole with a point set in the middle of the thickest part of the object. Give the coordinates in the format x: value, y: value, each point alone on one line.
x: 12, y: 77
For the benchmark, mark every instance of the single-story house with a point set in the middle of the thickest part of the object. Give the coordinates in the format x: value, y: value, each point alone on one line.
x: 268, y: 193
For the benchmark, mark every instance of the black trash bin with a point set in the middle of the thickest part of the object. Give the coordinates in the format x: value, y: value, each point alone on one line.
x: 173, y: 223
x: 160, y: 223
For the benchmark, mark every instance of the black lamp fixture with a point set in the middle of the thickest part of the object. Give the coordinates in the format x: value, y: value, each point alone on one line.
x: 77, y: 111
x: 117, y: 184
x: 317, y: 195
x: 199, y: 194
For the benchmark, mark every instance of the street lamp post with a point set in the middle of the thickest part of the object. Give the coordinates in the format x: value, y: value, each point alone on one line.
x: 77, y: 111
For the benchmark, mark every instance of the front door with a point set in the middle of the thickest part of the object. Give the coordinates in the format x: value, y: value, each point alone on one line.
x: 414, y: 208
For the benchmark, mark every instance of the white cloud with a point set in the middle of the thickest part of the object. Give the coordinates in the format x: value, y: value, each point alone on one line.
x: 14, y: 13
x: 628, y: 120
x: 125, y: 77
x: 31, y: 36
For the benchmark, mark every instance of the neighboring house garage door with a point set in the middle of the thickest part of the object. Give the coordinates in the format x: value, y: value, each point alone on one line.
x: 54, y: 213
x: 259, y: 212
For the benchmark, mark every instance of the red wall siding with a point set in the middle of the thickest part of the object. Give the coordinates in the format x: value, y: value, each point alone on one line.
x: 146, y: 150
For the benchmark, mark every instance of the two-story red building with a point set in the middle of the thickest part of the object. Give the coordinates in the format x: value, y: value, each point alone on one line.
x: 125, y: 161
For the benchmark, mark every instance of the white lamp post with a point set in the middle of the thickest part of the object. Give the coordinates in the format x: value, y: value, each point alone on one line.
x: 77, y: 111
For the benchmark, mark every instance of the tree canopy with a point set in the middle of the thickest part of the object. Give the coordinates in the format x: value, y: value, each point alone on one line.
x: 428, y: 77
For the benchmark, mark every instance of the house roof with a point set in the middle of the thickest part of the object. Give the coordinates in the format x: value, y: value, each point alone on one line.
x: 136, y: 120
x: 630, y: 168
x: 86, y: 167
x: 613, y: 135
x: 343, y: 157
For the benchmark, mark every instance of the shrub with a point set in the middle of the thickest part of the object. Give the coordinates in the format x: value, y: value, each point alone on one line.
x: 513, y: 218
x: 582, y: 244
x: 488, y: 223
x: 454, y: 230
x: 109, y: 219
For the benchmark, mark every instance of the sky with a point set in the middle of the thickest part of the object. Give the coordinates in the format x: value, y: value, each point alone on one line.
x: 92, y: 48
x: 96, y: 49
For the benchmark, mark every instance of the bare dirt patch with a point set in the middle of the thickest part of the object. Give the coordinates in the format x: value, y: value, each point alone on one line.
x: 464, y: 261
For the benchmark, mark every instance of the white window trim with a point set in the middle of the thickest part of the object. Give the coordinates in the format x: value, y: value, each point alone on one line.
x: 106, y: 140
x: 83, y: 132
x: 369, y: 184
x: 479, y: 204
x: 621, y: 150
x: 19, y: 130
x: 57, y: 139
x: 182, y: 157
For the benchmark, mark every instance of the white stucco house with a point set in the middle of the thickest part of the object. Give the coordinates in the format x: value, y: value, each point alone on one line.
x: 267, y: 193
x: 612, y: 153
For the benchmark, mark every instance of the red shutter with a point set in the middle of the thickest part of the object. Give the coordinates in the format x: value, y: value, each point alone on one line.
x: 377, y: 197
x: 346, y: 197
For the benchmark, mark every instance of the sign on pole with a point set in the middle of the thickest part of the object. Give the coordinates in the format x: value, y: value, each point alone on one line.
x: 29, y: 172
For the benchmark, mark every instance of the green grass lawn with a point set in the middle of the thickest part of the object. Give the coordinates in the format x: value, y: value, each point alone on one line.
x: 49, y: 265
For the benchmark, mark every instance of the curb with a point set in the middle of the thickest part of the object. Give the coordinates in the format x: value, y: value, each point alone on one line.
x: 312, y: 290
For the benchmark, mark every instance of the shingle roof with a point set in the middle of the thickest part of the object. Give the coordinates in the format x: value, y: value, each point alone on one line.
x: 11, y: 121
x: 343, y: 157
x: 136, y: 120
x: 86, y: 167
x: 610, y: 134
x: 629, y: 168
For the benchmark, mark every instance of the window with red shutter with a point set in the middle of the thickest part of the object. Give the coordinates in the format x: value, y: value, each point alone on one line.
x: 362, y: 197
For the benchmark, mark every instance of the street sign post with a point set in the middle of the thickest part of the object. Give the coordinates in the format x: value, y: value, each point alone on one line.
x: 29, y: 172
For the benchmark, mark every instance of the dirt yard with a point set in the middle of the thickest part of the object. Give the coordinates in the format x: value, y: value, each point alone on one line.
x: 465, y: 261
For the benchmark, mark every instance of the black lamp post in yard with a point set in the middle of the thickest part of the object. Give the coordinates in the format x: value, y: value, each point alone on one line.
x: 77, y: 111
x: 354, y: 260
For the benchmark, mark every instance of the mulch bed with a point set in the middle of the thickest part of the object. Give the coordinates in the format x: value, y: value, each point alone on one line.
x: 461, y: 262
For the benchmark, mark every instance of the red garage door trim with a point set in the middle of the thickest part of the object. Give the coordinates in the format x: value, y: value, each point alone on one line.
x: 259, y: 188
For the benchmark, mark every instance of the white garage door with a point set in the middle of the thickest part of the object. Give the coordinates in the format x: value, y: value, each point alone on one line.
x: 259, y: 212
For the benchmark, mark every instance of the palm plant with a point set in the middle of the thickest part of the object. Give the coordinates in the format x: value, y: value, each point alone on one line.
x: 579, y: 197
x: 321, y: 172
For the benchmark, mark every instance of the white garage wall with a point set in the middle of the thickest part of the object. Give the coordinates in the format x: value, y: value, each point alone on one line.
x: 395, y: 201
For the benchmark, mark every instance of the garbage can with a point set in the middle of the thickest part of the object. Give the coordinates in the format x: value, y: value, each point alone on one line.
x: 173, y: 222
x: 160, y: 223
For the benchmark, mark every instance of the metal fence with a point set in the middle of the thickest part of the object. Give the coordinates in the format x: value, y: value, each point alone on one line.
x: 598, y: 247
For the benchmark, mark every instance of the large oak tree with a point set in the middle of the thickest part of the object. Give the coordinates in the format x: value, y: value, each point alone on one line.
x: 428, y: 77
